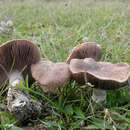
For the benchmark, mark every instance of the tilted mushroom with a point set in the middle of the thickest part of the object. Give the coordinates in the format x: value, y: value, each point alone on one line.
x: 16, y: 57
x: 86, y: 50
x: 103, y: 75
x: 50, y: 75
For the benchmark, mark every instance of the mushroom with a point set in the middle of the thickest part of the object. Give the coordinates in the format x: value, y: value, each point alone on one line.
x: 86, y: 50
x: 103, y: 75
x: 50, y: 75
x: 16, y: 57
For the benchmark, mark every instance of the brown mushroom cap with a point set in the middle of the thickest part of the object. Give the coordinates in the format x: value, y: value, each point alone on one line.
x: 50, y: 75
x: 18, y: 55
x: 86, y: 50
x: 102, y: 75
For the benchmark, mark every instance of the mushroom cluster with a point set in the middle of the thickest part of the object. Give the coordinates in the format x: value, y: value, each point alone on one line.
x: 86, y: 69
x: 19, y: 58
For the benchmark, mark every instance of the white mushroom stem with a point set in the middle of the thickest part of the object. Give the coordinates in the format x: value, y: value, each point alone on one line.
x: 14, y: 78
x: 99, y: 95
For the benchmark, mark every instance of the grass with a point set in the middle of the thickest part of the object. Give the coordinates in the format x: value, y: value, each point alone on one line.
x: 56, y: 27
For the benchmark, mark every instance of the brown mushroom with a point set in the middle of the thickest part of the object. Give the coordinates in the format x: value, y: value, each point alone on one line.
x: 16, y: 56
x: 50, y: 75
x: 103, y: 75
x: 86, y: 50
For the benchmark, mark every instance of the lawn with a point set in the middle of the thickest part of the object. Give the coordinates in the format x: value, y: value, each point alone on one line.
x: 56, y: 26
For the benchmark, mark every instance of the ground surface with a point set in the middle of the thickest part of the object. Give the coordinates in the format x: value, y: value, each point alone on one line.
x: 56, y: 26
